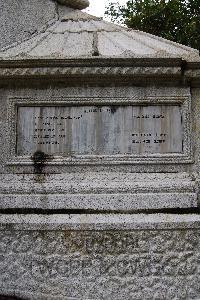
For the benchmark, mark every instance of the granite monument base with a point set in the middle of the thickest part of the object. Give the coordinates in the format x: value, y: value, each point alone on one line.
x: 155, y: 256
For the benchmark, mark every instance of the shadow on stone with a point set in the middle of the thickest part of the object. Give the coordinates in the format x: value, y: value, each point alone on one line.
x: 6, y: 297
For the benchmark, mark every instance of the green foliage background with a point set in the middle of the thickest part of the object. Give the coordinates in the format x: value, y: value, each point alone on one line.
x: 176, y: 20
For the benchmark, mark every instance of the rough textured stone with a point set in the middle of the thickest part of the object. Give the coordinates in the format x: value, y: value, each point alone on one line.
x: 104, y: 257
x: 110, y: 191
x: 22, y: 19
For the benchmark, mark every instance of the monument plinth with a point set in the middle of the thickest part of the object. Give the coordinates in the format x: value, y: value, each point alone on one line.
x: 99, y: 159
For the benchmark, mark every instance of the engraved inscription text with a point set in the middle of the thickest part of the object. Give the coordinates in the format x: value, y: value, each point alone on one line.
x: 100, y: 130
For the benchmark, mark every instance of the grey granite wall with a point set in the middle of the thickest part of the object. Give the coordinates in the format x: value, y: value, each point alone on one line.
x: 19, y: 19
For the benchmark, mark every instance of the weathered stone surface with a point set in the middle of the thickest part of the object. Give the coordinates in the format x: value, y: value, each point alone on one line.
x: 111, y: 184
x: 105, y: 183
x: 89, y: 36
x: 98, y: 191
x: 104, y: 257
x: 71, y: 59
x: 22, y: 19
x: 100, y: 130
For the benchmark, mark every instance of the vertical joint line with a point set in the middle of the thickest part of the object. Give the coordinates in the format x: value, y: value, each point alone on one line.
x: 95, y: 44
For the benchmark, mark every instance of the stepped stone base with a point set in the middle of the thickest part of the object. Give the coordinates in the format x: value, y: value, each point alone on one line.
x: 90, y: 257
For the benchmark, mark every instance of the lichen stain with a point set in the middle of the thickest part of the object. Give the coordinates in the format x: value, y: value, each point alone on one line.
x: 74, y: 244
x: 40, y: 160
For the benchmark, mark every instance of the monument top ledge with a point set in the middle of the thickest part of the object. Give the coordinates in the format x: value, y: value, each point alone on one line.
x: 85, y: 45
x: 78, y: 4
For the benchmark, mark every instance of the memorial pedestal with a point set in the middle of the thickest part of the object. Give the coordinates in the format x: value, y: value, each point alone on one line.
x: 99, y: 160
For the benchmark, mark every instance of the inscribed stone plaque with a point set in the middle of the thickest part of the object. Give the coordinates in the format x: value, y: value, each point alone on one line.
x: 100, y: 130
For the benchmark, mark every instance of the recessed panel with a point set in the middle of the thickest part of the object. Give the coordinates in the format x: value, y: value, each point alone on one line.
x: 99, y: 130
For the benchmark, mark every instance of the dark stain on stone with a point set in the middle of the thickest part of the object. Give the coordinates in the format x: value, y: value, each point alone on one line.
x: 114, y: 108
x: 95, y: 45
x: 40, y: 159
x: 95, y: 53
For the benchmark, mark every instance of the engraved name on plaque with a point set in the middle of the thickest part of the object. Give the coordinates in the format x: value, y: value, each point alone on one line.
x: 100, y: 130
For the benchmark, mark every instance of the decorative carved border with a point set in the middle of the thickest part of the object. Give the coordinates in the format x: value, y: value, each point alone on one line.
x: 92, y: 68
x: 184, y: 102
x: 80, y: 71
x: 56, y: 68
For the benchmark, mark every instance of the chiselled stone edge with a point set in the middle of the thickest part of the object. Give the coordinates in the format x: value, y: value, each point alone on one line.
x: 99, y: 221
x: 100, y: 202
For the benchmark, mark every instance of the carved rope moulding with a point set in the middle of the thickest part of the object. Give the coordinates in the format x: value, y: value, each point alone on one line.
x: 46, y: 71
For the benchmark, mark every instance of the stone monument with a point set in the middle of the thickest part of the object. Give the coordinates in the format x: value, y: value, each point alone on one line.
x: 99, y: 158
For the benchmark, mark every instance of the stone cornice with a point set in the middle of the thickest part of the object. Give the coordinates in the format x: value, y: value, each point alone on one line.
x: 94, y: 62
x: 97, y: 68
x: 193, y: 70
